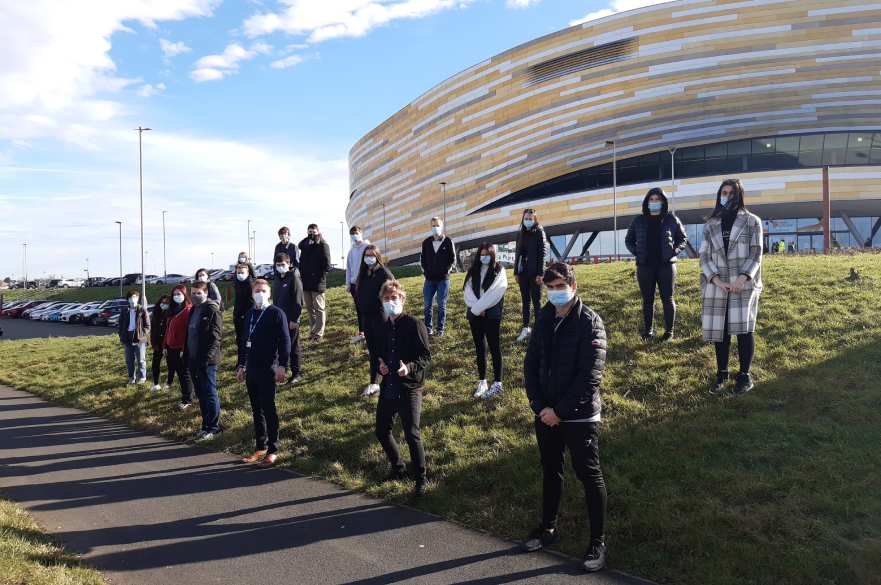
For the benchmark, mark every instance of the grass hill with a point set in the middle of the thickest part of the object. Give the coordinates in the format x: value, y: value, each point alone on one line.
x: 780, y: 486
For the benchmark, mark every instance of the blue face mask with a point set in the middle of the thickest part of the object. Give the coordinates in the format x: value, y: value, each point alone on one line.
x: 484, y: 259
x: 558, y: 298
x: 393, y: 308
x: 528, y: 223
x: 655, y: 207
x: 723, y: 200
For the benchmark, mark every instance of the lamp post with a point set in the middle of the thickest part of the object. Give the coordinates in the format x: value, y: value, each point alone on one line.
x: 164, y: 264
x: 212, y: 260
x: 250, y: 256
x: 254, y: 244
x: 88, y: 277
x: 444, y: 187
x: 25, y: 264
x: 611, y: 144
x: 141, y: 193
x: 342, y: 247
x: 672, y: 176
x: 120, y: 258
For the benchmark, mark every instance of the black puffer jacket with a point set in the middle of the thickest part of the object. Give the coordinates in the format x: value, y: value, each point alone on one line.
x: 244, y: 301
x: 314, y: 264
x: 367, y: 294
x: 564, y: 370
x: 536, y: 246
x: 672, y: 241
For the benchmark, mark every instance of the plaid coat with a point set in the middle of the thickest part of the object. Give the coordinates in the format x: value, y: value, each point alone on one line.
x: 743, y: 256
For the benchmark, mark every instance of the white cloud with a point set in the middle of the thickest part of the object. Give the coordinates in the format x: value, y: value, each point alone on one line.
x: 170, y: 49
x: 149, y: 90
x: 321, y: 20
x: 521, y: 3
x: 614, y: 7
x: 288, y: 61
x: 214, y: 67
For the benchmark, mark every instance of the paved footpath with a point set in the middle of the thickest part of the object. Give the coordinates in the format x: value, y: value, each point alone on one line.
x: 145, y: 510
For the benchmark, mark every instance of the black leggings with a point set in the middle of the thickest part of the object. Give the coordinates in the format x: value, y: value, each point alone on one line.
x: 177, y: 364
x: 373, y: 359
x: 485, y: 331
x: 157, y: 368
x: 746, y: 349
x: 530, y: 292
x: 582, y: 441
x: 662, y: 277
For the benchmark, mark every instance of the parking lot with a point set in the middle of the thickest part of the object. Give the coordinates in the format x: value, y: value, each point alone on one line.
x: 26, y: 329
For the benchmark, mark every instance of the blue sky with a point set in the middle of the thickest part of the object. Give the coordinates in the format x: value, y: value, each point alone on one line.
x: 254, y: 106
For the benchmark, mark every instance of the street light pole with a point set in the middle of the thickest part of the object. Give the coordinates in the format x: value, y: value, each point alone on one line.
x: 212, y: 260
x: 444, y: 187
x: 250, y: 255
x: 141, y: 192
x: 342, y: 247
x: 120, y: 258
x: 614, y: 146
x: 254, y: 243
x: 164, y: 265
x: 672, y: 177
x: 25, y: 261
x: 88, y: 277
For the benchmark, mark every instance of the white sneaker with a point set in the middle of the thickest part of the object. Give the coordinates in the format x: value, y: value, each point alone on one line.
x: 357, y: 338
x: 524, y: 334
x: 205, y: 437
x: 142, y: 380
x: 200, y: 435
x: 183, y: 405
x: 131, y: 381
x: 481, y: 389
x: 156, y: 388
x: 165, y: 386
x: 370, y: 390
x: 495, y: 389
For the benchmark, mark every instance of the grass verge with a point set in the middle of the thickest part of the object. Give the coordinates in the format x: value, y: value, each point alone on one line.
x: 781, y: 486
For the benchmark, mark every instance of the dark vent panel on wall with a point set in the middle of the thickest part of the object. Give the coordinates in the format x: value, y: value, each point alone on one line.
x: 586, y: 59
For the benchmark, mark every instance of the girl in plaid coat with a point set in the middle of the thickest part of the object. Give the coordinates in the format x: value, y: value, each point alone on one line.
x: 731, y: 282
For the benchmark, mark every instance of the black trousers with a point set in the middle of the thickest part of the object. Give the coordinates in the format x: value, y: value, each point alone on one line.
x: 296, y: 350
x: 261, y: 391
x: 530, y: 292
x: 663, y: 277
x: 485, y: 331
x: 582, y: 441
x: 357, y: 311
x: 177, y: 365
x: 157, y: 368
x: 409, y: 407
x: 746, y: 350
x: 238, y: 322
x: 374, y: 359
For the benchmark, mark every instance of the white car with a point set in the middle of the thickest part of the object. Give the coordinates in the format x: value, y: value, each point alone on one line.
x: 152, y: 279
x: 171, y: 279
x: 263, y: 270
x: 71, y: 283
x: 44, y: 315
x: 36, y: 313
x: 75, y: 313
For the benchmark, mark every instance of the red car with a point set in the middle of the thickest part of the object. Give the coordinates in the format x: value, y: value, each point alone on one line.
x: 16, y: 311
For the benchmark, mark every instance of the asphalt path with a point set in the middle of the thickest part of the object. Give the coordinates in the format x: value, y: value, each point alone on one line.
x: 144, y: 510
x: 27, y: 329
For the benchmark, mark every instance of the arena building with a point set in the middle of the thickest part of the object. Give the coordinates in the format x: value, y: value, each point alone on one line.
x: 579, y: 124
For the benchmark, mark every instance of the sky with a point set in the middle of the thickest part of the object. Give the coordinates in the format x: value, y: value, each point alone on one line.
x: 253, y: 106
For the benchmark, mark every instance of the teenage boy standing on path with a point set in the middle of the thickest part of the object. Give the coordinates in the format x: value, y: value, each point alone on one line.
x: 400, y: 343
x: 287, y: 290
x: 353, y: 269
x: 286, y: 246
x: 134, y: 331
x: 263, y: 358
x: 314, y: 264
x: 563, y: 371
x: 203, y: 350
x: 437, y: 259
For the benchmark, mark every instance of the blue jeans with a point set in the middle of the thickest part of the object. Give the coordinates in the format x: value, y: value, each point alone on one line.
x: 439, y: 288
x: 136, y: 355
x: 205, y: 381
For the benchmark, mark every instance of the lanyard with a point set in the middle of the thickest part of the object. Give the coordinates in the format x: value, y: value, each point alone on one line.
x: 252, y: 326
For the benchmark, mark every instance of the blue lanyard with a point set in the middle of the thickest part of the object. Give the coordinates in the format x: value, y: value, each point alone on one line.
x: 253, y: 325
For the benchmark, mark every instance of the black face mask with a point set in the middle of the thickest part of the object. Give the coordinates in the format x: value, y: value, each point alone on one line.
x: 314, y: 237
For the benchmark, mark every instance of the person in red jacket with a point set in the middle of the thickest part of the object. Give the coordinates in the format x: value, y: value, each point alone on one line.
x: 175, y: 337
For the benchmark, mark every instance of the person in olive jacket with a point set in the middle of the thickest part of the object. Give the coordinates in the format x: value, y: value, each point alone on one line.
x: 400, y: 343
x: 244, y: 300
x: 656, y: 238
x: 372, y: 274
x: 529, y: 267
x: 563, y: 371
x: 134, y: 332
x: 314, y: 265
x: 203, y: 351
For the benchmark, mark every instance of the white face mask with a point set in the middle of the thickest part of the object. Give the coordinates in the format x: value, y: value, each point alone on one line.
x: 242, y: 275
x: 132, y: 301
x: 281, y: 269
x: 356, y: 238
x: 243, y: 259
x: 528, y: 223
x: 437, y: 230
x: 393, y: 308
x: 723, y: 200
x: 285, y: 238
x: 198, y: 298
x: 485, y: 259
x: 369, y: 260
x: 261, y: 298
x: 178, y: 298
x: 559, y: 298
x: 203, y: 278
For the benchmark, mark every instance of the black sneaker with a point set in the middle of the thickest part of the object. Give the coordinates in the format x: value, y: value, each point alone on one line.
x: 744, y: 383
x: 668, y: 336
x: 647, y: 336
x: 419, y: 488
x: 397, y: 474
x: 540, y: 538
x: 595, y: 558
x: 718, y: 386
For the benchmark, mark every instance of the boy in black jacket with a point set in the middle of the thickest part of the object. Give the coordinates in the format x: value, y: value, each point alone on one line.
x: 437, y: 259
x: 287, y: 290
x: 203, y: 351
x: 563, y: 371
x: 400, y: 343
x: 263, y: 358
x: 314, y: 265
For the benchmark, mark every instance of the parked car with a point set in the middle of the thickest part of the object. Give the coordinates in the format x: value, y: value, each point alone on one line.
x: 105, y: 314
x: 112, y: 281
x: 74, y: 314
x: 171, y: 279
x: 113, y: 320
x: 90, y: 316
x: 16, y: 311
x: 131, y: 279
x: 54, y: 314
x: 11, y: 305
x: 94, y: 281
x: 263, y: 271
x: 225, y: 276
x: 70, y: 283
x: 152, y: 279
x: 36, y: 314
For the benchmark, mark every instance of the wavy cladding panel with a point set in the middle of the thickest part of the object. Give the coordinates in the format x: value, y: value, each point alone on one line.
x: 676, y: 74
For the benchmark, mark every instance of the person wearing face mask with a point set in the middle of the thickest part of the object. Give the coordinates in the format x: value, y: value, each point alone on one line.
x: 244, y: 300
x: 731, y: 283
x: 371, y: 276
x: 203, y: 350
x: 134, y: 331
x: 158, y: 328
x: 400, y: 343
x: 213, y: 291
x: 485, y: 286
x: 286, y: 246
x: 314, y: 265
x: 262, y: 360
x: 175, y: 339
x: 529, y: 266
x: 655, y: 239
x: 353, y: 270
x: 563, y: 371
x: 437, y: 260
x: 287, y: 290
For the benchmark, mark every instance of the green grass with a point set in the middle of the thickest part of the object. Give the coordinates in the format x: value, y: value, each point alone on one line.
x: 782, y: 486
x: 29, y: 557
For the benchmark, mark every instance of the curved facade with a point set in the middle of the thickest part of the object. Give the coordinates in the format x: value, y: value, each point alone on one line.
x: 531, y: 127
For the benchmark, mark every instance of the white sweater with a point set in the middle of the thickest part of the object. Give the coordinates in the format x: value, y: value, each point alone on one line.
x: 488, y: 298
x: 353, y: 261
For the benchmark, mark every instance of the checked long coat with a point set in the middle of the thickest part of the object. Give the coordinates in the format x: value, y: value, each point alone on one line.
x: 743, y: 256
